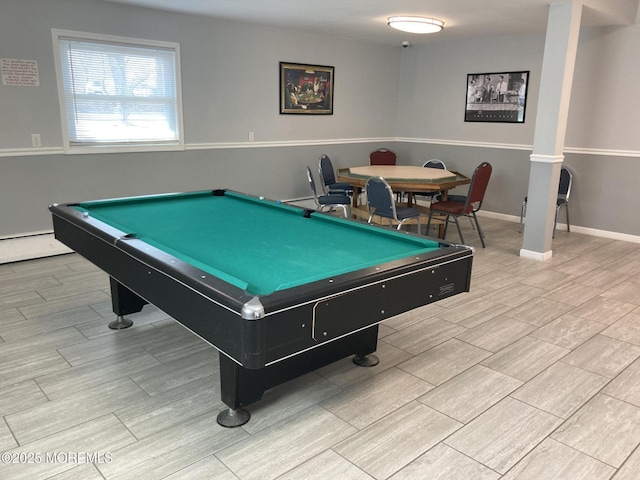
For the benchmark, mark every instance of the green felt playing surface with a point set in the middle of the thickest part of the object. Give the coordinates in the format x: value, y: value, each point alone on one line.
x: 257, y: 245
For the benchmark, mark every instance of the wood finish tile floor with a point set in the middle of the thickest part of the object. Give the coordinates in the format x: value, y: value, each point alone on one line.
x: 534, y: 374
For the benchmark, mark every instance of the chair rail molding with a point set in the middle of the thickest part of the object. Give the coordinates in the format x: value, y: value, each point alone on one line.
x: 28, y: 152
x: 534, y: 157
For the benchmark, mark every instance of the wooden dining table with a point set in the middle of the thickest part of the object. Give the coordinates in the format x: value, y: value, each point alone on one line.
x: 403, y: 178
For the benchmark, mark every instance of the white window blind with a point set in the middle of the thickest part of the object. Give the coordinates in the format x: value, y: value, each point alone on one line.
x: 120, y: 92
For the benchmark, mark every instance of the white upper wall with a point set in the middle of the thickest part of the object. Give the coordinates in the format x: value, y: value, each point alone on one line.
x: 230, y: 80
x: 604, y: 112
x: 230, y: 74
x: 605, y: 109
x: 433, y: 88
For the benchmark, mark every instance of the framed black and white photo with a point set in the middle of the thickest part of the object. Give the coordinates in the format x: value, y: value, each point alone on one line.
x: 496, y: 97
x: 306, y: 89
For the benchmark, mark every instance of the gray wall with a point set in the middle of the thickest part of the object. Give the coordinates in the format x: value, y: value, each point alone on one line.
x: 602, y: 142
x: 28, y: 184
x: 411, y: 100
x: 230, y: 76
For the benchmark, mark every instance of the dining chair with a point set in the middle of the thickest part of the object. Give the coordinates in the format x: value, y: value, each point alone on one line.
x: 382, y: 156
x: 461, y: 198
x: 328, y: 179
x: 468, y: 208
x: 433, y: 163
x: 564, y: 190
x: 330, y: 201
x: 380, y: 203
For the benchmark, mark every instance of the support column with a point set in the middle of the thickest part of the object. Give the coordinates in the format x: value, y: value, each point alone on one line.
x: 561, y: 44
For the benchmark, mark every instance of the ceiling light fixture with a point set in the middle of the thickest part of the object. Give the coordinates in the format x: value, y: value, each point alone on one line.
x: 416, y: 24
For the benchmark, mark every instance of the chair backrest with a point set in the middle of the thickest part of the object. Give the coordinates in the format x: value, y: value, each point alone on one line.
x: 380, y: 197
x: 325, y: 169
x: 312, y: 185
x: 433, y: 163
x: 382, y: 156
x: 566, y: 179
x: 478, y: 187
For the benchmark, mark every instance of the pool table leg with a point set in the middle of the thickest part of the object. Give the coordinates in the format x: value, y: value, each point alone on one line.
x: 366, y: 360
x: 120, y: 323
x: 241, y: 386
x: 231, y: 418
x: 123, y: 301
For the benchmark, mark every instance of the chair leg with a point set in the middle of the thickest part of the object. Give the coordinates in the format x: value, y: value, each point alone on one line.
x: 480, y: 232
x: 522, y: 211
x: 459, y: 229
x: 566, y: 209
x: 402, y: 223
x: 473, y: 217
x: 446, y: 224
x: 471, y: 222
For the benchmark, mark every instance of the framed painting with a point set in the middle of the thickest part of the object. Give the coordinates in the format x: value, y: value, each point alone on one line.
x: 306, y: 89
x: 496, y: 97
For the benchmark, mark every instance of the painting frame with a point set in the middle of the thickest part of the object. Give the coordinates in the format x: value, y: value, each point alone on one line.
x: 306, y: 89
x: 497, y: 97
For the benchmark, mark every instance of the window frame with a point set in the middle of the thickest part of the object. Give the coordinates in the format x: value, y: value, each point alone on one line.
x: 116, y: 147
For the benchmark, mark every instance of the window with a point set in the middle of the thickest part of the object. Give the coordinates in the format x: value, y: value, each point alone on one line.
x: 116, y: 92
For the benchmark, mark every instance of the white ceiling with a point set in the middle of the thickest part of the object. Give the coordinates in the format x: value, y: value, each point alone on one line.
x: 365, y: 20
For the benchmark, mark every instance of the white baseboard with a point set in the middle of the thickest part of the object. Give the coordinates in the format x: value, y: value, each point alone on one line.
x: 29, y: 247
x: 541, y: 257
x: 594, y: 232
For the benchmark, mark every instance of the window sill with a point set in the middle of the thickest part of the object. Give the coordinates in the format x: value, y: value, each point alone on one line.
x: 97, y: 149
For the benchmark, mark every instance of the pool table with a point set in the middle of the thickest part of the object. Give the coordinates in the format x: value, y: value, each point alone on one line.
x: 278, y: 290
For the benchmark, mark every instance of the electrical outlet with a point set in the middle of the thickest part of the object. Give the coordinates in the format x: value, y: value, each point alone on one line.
x: 35, y: 140
x: 251, y: 137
